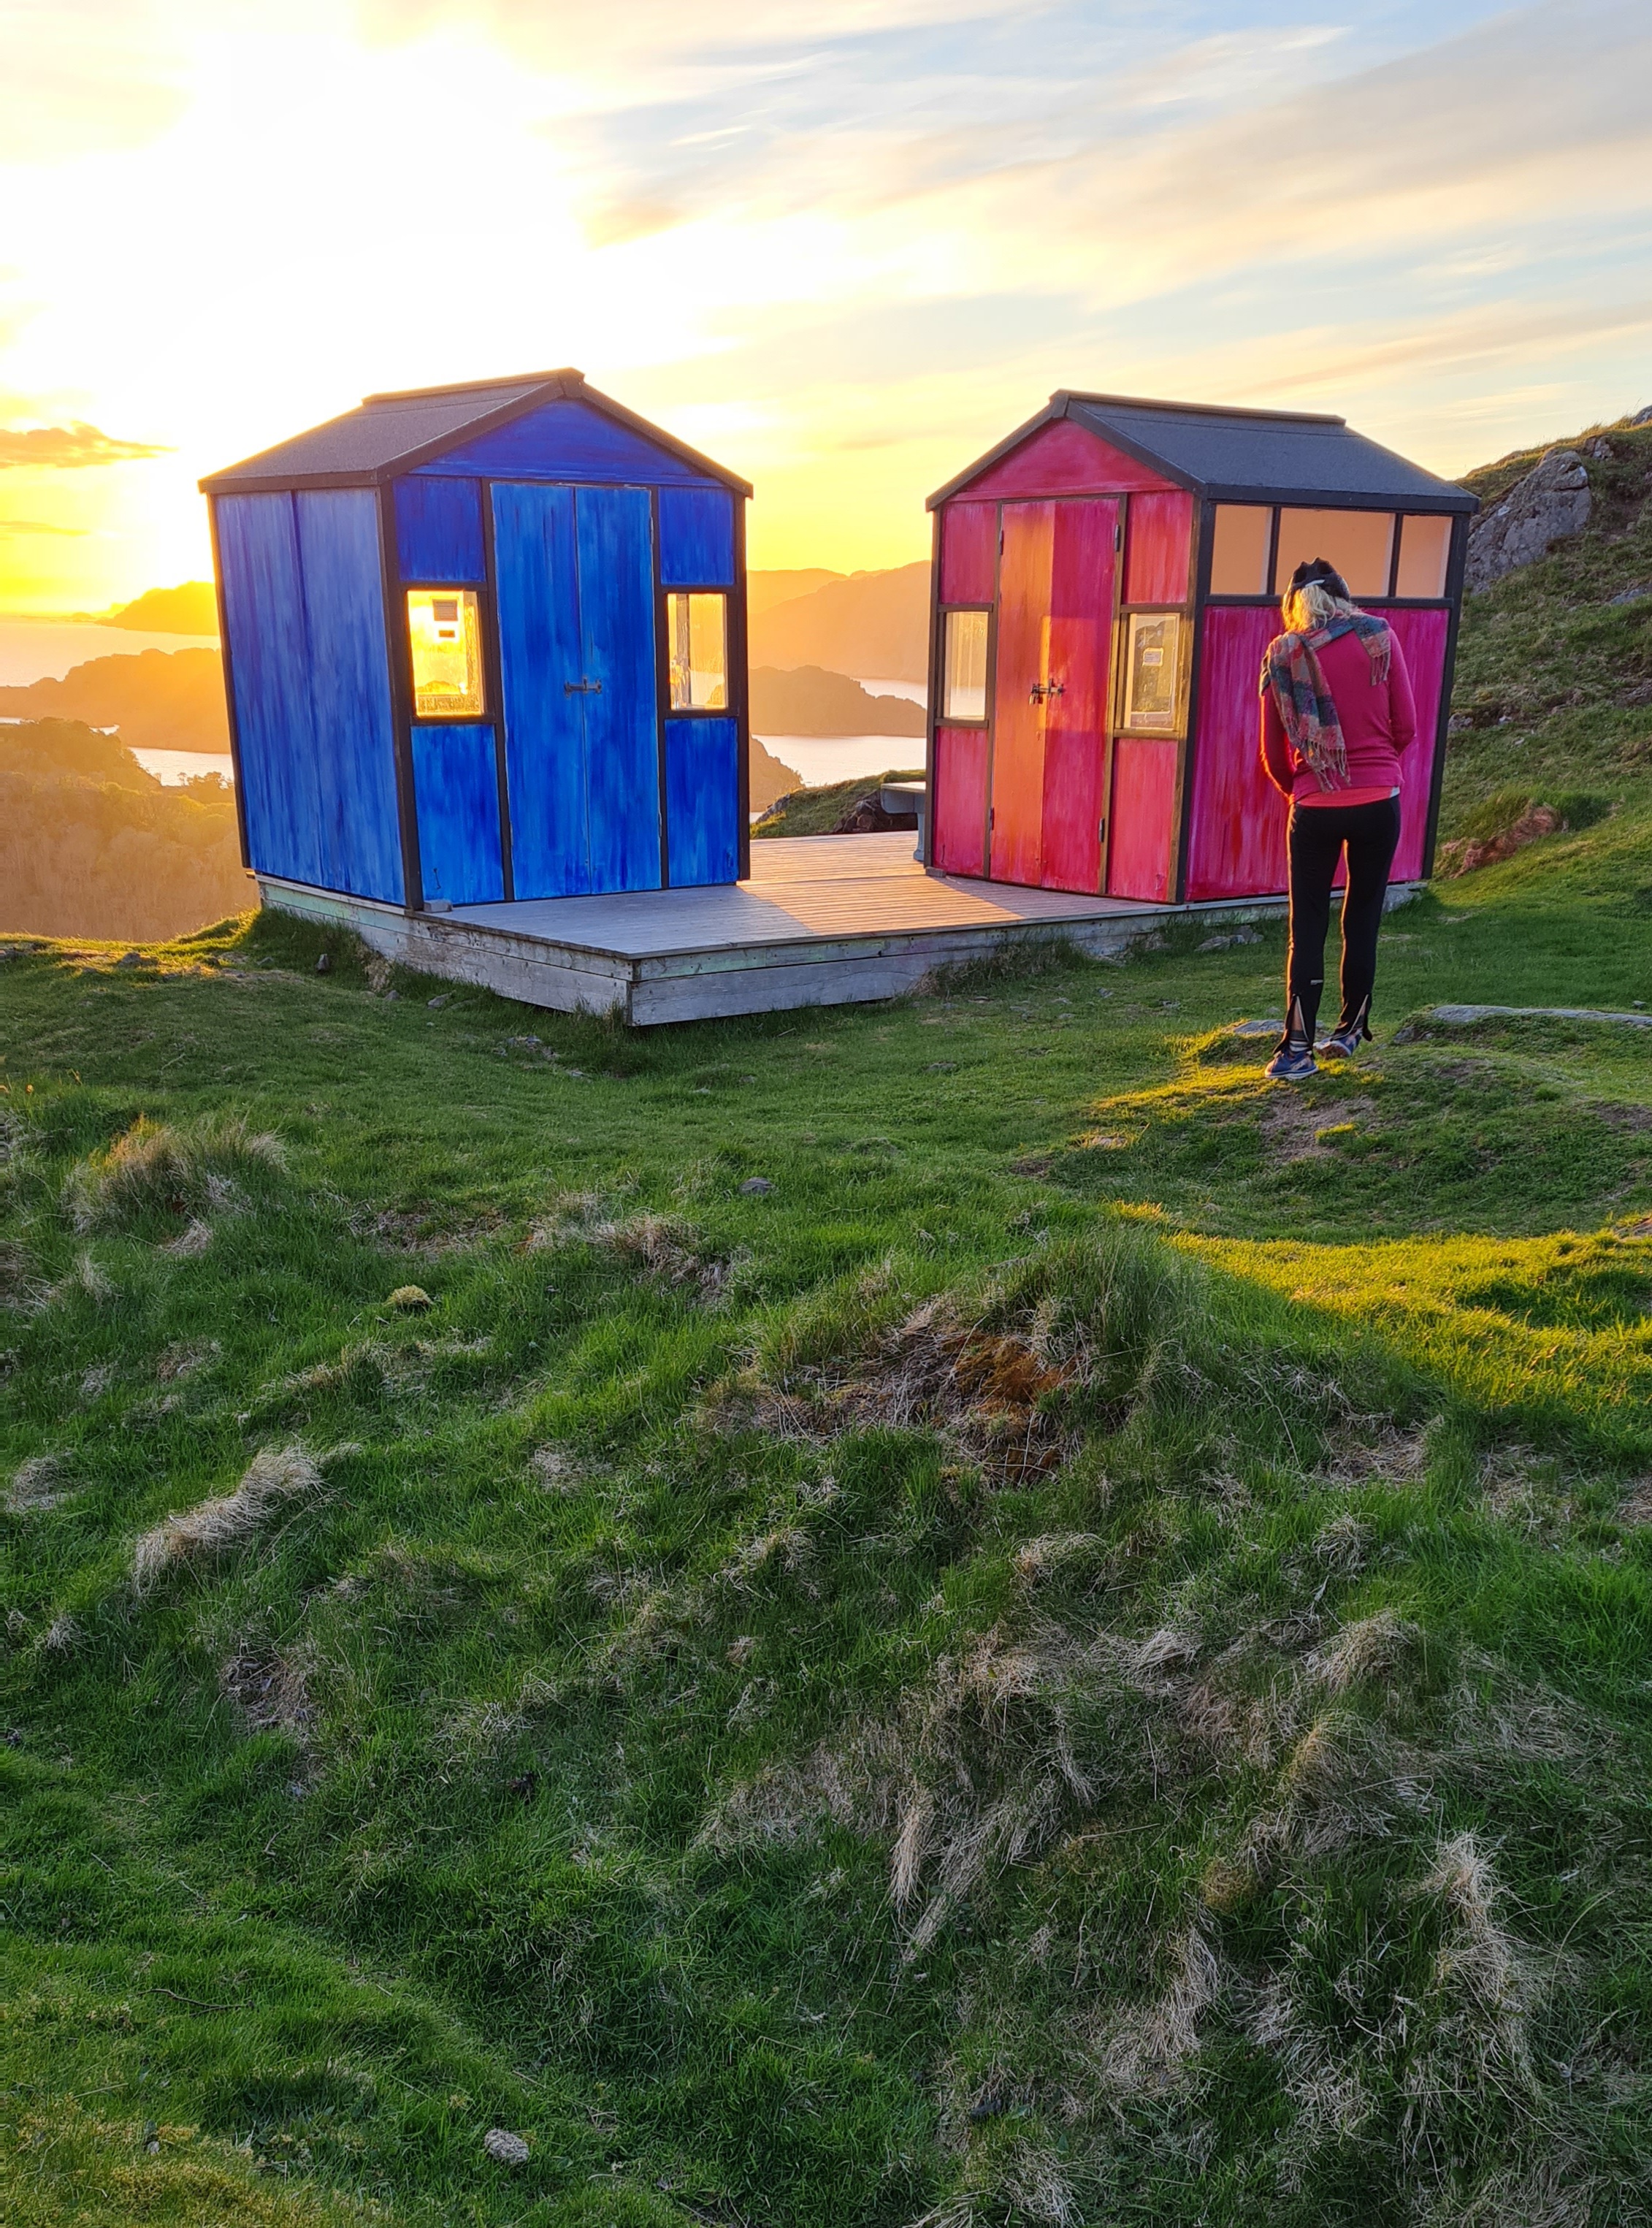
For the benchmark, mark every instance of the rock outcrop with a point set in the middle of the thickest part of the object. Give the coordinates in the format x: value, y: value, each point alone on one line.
x: 1551, y: 502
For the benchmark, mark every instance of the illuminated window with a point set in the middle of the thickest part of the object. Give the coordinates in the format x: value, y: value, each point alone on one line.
x: 445, y: 628
x: 1424, y: 546
x: 697, y: 632
x: 1238, y: 555
x: 1358, y: 542
x: 964, y: 691
x: 1153, y: 671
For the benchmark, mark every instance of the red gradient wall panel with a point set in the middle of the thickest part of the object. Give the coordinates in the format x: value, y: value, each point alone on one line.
x: 1158, y: 545
x: 960, y: 800
x: 1143, y: 817
x: 1236, y: 840
x: 1421, y: 636
x: 1063, y: 458
x: 969, y: 547
x: 1078, y: 658
x: 1024, y: 574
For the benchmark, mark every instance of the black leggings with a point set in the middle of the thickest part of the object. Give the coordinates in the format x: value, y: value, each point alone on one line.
x: 1317, y: 834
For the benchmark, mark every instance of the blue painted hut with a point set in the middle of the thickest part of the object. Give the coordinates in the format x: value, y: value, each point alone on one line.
x: 485, y: 643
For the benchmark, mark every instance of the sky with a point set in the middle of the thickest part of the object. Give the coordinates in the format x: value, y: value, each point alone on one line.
x: 842, y: 245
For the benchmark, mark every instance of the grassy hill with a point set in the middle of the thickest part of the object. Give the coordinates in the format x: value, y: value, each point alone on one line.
x: 1082, y: 1653
x: 952, y: 1611
x: 170, y: 700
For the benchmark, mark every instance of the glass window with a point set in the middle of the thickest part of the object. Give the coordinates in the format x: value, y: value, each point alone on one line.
x: 445, y: 627
x: 1238, y: 555
x: 1358, y: 542
x: 963, y: 690
x: 1153, y: 671
x: 1424, y: 547
x: 697, y: 632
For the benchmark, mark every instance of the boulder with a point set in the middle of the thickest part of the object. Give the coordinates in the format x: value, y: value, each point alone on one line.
x: 1551, y: 501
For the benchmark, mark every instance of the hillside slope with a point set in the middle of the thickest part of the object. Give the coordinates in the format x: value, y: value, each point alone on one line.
x: 1005, y: 1672
x: 873, y: 625
x: 171, y: 700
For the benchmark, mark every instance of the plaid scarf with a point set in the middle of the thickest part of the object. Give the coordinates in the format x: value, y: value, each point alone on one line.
x: 1307, y: 709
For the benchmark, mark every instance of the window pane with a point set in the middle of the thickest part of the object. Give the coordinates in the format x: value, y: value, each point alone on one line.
x: 1153, y: 670
x: 445, y: 627
x: 963, y: 695
x: 1239, y: 556
x: 697, y: 632
x: 1358, y: 542
x: 1425, y: 545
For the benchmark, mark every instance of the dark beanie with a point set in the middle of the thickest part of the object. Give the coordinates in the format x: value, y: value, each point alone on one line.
x: 1318, y: 572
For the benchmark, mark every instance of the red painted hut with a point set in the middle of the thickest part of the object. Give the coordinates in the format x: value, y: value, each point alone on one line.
x: 1106, y: 581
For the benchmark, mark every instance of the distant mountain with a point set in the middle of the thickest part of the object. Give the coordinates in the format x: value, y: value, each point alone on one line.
x: 170, y: 700
x: 191, y: 608
x: 809, y: 701
x: 765, y: 589
x: 875, y: 623
x: 770, y: 778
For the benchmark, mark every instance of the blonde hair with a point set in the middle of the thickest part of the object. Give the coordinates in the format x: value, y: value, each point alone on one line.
x: 1313, y: 606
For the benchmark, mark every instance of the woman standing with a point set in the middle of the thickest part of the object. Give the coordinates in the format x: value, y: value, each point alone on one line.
x: 1337, y: 715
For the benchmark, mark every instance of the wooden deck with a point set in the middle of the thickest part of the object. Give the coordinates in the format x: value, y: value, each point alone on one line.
x: 824, y: 920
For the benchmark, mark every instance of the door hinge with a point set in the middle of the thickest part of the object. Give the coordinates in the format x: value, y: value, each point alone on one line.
x: 992, y: 818
x: 1101, y: 832
x: 1119, y: 535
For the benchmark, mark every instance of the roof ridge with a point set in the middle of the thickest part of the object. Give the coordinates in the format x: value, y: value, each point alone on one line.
x: 1197, y: 409
x: 527, y: 379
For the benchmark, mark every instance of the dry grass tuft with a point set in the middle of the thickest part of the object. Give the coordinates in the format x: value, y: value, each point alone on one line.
x: 1151, y: 2049
x: 270, y: 1689
x: 37, y: 1485
x: 663, y: 1247
x: 984, y: 1387
x: 1374, y: 1648
x: 62, y: 1636
x: 274, y: 1477
x: 160, y: 1168
x: 190, y: 1243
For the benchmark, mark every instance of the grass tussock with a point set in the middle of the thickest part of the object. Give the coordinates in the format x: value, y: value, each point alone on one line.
x: 274, y: 1478
x: 158, y: 1169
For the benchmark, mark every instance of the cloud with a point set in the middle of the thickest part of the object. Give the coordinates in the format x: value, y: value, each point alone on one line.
x: 9, y: 526
x: 68, y: 448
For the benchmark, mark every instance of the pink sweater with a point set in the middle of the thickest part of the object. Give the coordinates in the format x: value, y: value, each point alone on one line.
x: 1378, y: 724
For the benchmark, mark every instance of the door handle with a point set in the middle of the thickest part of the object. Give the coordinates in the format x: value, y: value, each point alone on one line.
x: 582, y: 688
x: 1041, y: 690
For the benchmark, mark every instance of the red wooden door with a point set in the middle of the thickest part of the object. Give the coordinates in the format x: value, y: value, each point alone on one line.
x: 1078, y: 667
x: 1055, y: 621
x: 1016, y: 848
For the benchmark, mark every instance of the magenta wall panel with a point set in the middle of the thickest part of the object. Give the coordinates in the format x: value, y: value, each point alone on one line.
x: 969, y: 549
x: 1143, y: 817
x: 1159, y: 539
x: 1237, y: 830
x: 1062, y: 458
x: 960, y: 800
x: 1421, y: 636
x: 1236, y: 838
x: 1075, y: 722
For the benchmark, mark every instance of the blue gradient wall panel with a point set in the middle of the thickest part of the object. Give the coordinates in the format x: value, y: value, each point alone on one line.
x: 702, y: 801
x: 269, y: 653
x: 563, y: 441
x: 349, y: 680
x: 456, y: 781
x: 438, y: 531
x: 696, y: 537
x: 616, y: 536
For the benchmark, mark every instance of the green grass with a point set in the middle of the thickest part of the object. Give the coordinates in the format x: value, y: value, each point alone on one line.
x: 817, y: 812
x: 1004, y: 1672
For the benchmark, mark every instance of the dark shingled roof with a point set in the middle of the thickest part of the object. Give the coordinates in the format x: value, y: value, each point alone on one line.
x: 1241, y: 456
x: 390, y: 433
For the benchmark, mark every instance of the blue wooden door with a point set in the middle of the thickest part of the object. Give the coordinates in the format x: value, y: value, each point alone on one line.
x: 574, y: 575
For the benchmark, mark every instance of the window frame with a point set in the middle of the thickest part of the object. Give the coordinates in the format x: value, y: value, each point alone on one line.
x: 943, y: 717
x: 732, y: 707
x: 483, y: 594
x: 1390, y: 595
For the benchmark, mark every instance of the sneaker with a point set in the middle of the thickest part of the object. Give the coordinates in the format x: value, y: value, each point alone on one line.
x: 1291, y: 1063
x: 1343, y: 1043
